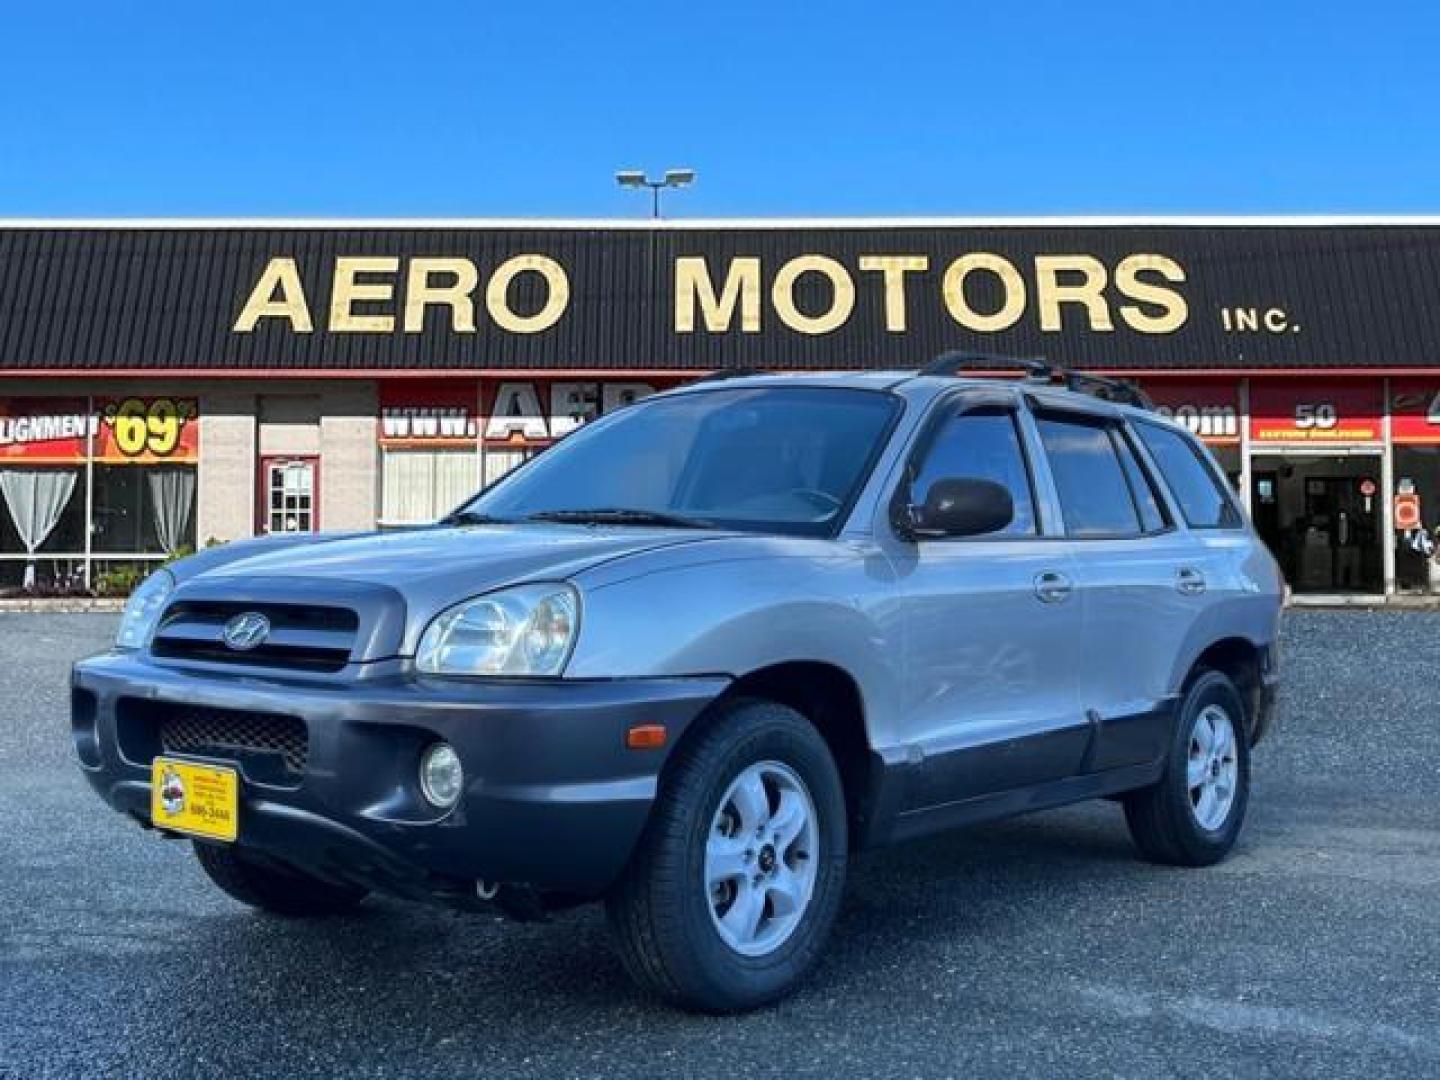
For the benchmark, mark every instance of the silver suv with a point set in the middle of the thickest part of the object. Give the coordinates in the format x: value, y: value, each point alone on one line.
x: 696, y: 654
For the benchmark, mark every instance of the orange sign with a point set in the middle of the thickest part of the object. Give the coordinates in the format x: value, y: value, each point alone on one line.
x: 140, y: 431
x: 134, y: 430
x: 1315, y: 412
x: 1407, y: 511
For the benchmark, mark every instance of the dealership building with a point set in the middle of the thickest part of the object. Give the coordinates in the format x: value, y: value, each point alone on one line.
x: 166, y: 384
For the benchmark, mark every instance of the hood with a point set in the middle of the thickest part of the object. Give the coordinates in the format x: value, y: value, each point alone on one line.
x: 429, y: 568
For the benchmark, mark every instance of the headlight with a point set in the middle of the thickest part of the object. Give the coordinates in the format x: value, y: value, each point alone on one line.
x: 528, y: 630
x: 142, y: 610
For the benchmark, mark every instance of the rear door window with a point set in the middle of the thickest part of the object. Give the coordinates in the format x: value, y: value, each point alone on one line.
x: 1095, y: 495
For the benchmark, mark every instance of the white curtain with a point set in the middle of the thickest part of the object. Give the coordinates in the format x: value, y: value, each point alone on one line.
x: 418, y: 486
x: 172, y: 495
x: 36, y: 498
x: 500, y: 462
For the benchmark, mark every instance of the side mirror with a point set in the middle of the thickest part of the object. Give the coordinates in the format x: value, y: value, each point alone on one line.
x: 962, y: 507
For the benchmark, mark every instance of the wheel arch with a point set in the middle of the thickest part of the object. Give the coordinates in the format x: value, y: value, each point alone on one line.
x: 1241, y: 661
x: 829, y: 697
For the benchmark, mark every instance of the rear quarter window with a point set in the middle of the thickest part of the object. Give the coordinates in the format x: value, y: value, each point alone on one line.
x: 1202, y: 495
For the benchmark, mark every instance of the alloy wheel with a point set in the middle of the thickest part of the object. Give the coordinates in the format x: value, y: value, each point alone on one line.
x: 761, y: 858
x: 1213, y: 770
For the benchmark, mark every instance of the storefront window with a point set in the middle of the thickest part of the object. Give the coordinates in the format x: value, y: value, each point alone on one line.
x: 500, y: 462
x: 127, y: 462
x: 422, y: 485
x: 44, y: 515
x: 144, y: 509
x: 443, y: 440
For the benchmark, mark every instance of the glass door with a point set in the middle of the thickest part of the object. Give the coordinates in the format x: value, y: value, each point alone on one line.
x: 1321, y: 517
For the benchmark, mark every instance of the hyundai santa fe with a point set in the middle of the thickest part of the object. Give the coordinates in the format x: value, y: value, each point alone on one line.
x: 689, y: 659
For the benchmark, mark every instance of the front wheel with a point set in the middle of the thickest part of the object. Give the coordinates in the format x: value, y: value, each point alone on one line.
x: 1193, y: 815
x: 731, y: 894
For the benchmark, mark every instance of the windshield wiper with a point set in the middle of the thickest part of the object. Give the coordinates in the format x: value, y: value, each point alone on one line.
x: 616, y: 515
x: 472, y: 517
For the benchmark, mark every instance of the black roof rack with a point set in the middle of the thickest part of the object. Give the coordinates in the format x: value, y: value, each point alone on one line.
x: 955, y: 361
x: 1120, y: 391
x: 1038, y: 369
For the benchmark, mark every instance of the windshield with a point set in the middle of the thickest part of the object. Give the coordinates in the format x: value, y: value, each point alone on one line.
x: 769, y: 459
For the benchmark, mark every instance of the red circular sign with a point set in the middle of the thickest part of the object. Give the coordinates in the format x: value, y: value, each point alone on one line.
x: 1367, y: 488
x: 1407, y: 511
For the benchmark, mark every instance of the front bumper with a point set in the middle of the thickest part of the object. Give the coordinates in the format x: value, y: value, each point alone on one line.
x: 553, y: 798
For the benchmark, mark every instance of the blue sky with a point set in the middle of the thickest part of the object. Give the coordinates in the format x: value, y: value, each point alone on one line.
x: 326, y: 108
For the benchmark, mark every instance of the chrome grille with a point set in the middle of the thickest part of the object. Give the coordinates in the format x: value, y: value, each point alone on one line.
x: 302, y: 637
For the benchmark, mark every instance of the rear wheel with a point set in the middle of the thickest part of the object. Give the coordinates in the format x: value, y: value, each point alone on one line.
x: 1193, y: 815
x: 731, y: 894
x: 274, y: 888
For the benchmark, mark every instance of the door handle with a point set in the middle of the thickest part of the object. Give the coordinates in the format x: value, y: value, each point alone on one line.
x: 1052, y: 587
x: 1189, y: 581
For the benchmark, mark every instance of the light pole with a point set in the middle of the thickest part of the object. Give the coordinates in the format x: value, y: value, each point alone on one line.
x: 673, y: 178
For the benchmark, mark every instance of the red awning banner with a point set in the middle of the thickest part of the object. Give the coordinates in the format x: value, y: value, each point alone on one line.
x: 1415, y: 410
x: 1316, y: 411
x: 1209, y: 408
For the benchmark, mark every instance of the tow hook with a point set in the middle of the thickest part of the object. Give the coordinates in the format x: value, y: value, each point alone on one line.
x: 519, y: 902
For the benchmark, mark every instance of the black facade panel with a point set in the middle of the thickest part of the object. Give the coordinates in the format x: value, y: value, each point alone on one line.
x: 155, y: 299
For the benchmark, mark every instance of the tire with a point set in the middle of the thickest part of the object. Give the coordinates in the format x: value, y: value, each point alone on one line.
x: 666, y: 919
x: 1171, y: 822
x: 273, y: 888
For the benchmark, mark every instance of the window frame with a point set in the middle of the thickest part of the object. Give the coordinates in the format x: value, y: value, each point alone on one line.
x: 1208, y: 465
x: 1168, y: 522
x: 1113, y: 426
x: 952, y: 406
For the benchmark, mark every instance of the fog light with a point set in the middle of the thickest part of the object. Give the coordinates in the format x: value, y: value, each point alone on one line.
x: 441, y: 777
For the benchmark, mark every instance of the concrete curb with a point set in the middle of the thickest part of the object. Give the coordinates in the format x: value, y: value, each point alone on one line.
x: 61, y: 605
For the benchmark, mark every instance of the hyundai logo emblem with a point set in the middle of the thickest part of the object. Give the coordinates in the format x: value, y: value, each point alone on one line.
x: 245, y: 631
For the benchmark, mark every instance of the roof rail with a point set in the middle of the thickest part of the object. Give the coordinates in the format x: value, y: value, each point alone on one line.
x: 1119, y: 391
x: 954, y: 361
x: 1038, y: 369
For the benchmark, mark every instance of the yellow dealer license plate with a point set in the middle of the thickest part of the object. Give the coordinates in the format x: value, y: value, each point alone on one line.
x: 202, y: 800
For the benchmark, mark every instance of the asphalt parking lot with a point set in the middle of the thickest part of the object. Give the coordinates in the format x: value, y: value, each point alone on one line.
x: 1036, y: 947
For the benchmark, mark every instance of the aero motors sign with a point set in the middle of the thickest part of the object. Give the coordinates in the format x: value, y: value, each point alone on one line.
x: 810, y: 293
x: 1316, y: 411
